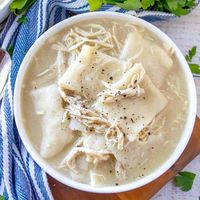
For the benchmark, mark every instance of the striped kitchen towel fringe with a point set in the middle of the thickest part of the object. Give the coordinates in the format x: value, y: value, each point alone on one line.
x: 20, y: 177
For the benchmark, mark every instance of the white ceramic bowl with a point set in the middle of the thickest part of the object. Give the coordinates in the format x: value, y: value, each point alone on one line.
x: 4, y: 9
x: 188, y: 125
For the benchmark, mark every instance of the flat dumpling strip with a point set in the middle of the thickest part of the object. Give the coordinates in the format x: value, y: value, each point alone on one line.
x: 85, y: 76
x: 82, y: 118
x: 156, y: 60
x: 128, y: 86
x: 128, y: 157
x: 133, y: 114
x: 71, y: 78
x: 55, y: 134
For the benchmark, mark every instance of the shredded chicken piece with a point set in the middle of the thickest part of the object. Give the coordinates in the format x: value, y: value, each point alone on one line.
x: 152, y: 128
x: 132, y: 59
x: 116, y: 95
x: 133, y: 90
x: 120, y: 171
x: 59, y: 47
x: 94, y: 122
x: 96, y: 36
x: 92, y: 33
x: 115, y: 136
x: 55, y: 70
x: 92, y: 156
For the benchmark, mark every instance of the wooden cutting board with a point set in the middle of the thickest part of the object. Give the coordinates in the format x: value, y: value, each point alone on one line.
x: 62, y: 192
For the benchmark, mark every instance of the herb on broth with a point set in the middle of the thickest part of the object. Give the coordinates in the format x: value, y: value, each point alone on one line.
x: 180, y: 7
x: 195, y: 68
x: 185, y: 180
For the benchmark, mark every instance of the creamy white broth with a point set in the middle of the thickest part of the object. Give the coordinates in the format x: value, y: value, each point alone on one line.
x: 147, y: 154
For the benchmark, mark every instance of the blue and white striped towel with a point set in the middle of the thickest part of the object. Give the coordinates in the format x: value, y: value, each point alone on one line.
x: 20, y: 177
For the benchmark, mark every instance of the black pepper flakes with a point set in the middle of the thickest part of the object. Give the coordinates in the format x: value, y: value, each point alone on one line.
x: 111, y: 78
x: 116, y: 184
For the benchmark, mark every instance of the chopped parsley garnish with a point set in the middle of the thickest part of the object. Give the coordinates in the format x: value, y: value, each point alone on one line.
x: 185, y: 180
x: 178, y: 7
x: 195, y: 68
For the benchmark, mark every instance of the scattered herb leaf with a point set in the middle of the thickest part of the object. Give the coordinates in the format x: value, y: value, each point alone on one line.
x: 19, y: 7
x: 130, y: 5
x: 95, y: 5
x: 191, y: 54
x: 185, y: 180
x: 178, y: 7
x: 147, y: 3
x: 22, y: 19
x: 195, y: 68
x: 2, y: 197
x: 10, y: 50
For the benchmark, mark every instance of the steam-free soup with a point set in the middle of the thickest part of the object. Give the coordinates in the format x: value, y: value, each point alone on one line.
x: 104, y: 103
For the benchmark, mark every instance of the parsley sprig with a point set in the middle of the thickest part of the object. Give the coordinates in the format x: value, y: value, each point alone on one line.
x: 195, y: 68
x: 2, y: 197
x: 19, y: 7
x: 177, y: 7
x: 185, y: 180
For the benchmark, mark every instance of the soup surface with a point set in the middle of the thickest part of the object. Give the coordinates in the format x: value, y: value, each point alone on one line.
x: 104, y: 103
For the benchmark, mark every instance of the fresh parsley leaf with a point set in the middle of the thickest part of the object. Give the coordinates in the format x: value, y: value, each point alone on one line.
x: 190, y: 3
x: 185, y: 180
x: 19, y: 7
x: 177, y: 7
x: 95, y: 4
x: 191, y: 53
x: 174, y: 4
x: 130, y: 4
x: 2, y: 197
x: 180, y: 11
x: 22, y: 19
x: 147, y: 3
x: 195, y: 68
x: 10, y: 50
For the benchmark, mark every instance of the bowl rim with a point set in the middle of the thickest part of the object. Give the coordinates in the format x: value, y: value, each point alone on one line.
x: 186, y: 134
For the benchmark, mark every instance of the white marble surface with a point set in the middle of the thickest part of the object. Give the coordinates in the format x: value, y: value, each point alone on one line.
x: 185, y: 32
